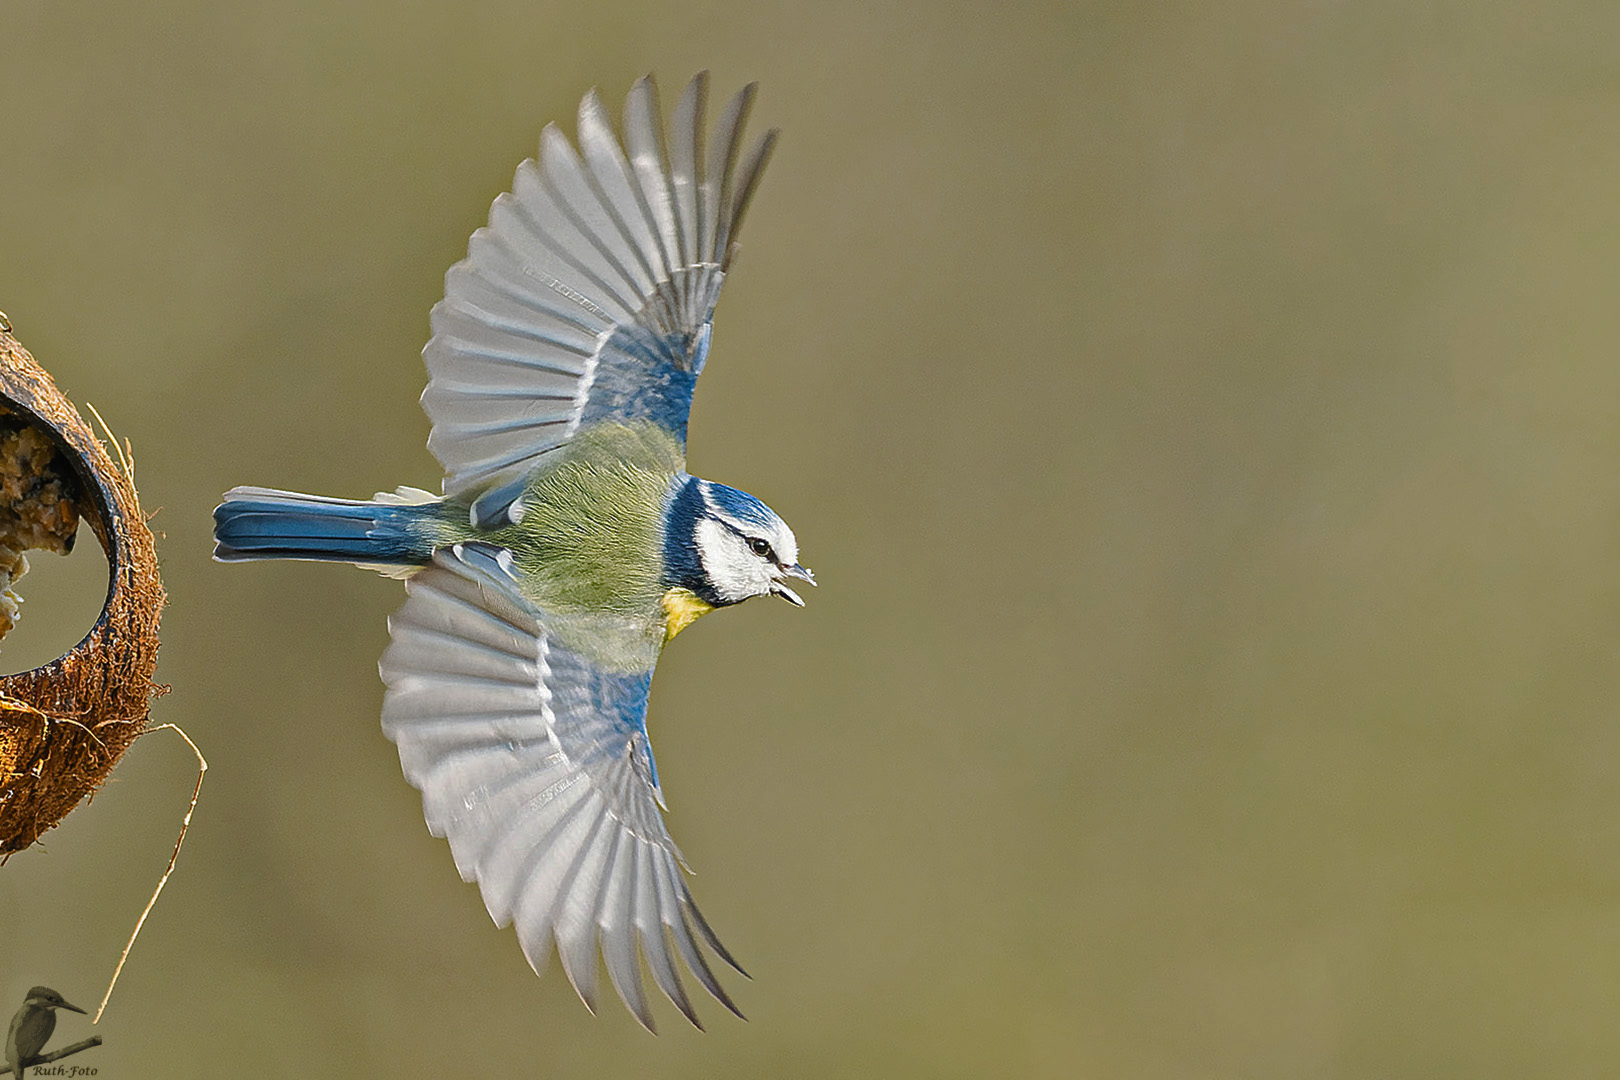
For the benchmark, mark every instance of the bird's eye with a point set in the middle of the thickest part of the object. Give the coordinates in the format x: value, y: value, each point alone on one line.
x: 760, y: 547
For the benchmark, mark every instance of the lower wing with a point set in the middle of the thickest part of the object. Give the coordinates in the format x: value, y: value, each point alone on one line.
x: 534, y: 763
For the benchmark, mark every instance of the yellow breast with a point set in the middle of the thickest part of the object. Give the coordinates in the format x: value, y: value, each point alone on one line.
x: 681, y: 609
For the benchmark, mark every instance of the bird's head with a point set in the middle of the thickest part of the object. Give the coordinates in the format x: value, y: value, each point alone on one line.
x: 43, y: 997
x: 727, y: 546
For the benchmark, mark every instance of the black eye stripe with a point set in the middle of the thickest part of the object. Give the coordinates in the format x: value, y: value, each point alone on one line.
x: 757, y: 544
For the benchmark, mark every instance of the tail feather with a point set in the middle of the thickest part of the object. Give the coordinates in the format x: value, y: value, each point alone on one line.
x: 264, y: 523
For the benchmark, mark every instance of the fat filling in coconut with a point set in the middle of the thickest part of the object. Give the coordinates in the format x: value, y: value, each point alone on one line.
x: 37, y: 507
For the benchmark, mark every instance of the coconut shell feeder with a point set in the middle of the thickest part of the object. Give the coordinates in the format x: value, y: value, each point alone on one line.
x: 64, y: 725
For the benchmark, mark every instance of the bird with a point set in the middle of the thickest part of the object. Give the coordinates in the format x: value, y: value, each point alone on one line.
x: 32, y: 1026
x: 568, y: 545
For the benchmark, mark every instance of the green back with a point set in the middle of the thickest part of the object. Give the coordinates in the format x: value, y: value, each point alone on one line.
x: 589, y: 550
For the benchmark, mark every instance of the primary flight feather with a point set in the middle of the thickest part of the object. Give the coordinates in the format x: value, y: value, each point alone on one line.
x: 570, y: 544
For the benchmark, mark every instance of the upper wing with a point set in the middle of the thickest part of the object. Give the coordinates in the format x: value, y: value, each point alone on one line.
x: 535, y: 765
x: 590, y: 293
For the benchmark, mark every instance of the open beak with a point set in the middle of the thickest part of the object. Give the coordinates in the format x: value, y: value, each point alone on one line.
x: 794, y: 571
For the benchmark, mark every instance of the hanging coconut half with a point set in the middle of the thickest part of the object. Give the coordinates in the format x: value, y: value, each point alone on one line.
x: 64, y: 725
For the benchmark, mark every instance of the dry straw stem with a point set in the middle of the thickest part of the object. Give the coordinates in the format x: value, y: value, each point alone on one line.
x: 185, y: 825
x: 65, y: 725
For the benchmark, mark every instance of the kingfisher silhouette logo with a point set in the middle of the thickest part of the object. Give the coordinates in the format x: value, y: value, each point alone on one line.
x: 31, y: 1029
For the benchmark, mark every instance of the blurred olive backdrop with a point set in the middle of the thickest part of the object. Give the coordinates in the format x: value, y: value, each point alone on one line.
x: 1205, y: 421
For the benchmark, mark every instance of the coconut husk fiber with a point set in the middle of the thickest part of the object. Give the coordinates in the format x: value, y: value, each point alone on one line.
x: 64, y: 726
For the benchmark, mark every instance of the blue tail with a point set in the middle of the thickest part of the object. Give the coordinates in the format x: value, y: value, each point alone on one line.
x: 263, y: 523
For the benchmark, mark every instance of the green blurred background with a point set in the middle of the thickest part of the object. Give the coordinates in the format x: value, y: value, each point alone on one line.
x: 1204, y: 420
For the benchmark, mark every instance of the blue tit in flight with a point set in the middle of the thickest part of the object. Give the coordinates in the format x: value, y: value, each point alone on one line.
x: 570, y: 544
x: 32, y: 1026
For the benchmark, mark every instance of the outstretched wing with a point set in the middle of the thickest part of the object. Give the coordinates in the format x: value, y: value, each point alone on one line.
x: 534, y: 764
x: 590, y: 293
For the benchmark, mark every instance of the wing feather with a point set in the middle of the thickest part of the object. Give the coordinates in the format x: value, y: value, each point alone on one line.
x: 686, y: 128
x: 617, y: 933
x: 654, y: 941
x: 575, y: 921
x: 717, y: 179
x: 753, y: 167
x: 643, y: 137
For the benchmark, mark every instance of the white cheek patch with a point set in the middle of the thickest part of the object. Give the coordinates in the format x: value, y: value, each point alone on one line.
x: 734, y: 570
x: 787, y: 547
